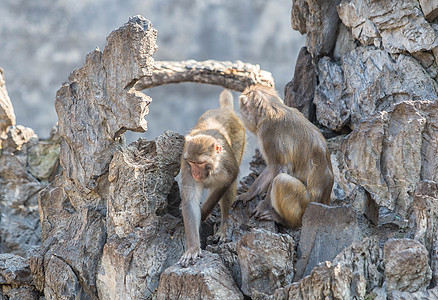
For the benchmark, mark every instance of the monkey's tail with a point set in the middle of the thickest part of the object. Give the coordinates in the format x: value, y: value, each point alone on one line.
x: 226, y: 99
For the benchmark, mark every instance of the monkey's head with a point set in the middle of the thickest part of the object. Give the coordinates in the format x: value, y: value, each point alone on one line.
x: 257, y: 102
x: 202, y: 153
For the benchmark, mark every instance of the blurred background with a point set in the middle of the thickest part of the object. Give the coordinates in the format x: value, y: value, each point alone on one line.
x: 42, y: 41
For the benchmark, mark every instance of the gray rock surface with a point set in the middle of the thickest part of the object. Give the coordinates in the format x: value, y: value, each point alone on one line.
x: 319, y: 20
x: 7, y: 115
x: 206, y: 279
x: 266, y: 261
x: 325, y: 232
x: 16, y: 282
x: 406, y: 266
x: 397, y: 26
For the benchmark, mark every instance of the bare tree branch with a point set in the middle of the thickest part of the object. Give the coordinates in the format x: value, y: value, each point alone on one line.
x: 231, y: 75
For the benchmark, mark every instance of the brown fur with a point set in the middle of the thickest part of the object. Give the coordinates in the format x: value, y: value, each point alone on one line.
x: 298, y: 160
x: 211, y: 158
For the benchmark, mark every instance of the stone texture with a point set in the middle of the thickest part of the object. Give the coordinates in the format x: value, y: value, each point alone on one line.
x: 368, y: 80
x: 345, y: 42
x: 105, y: 105
x: 16, y: 281
x: 19, y: 218
x: 430, y: 9
x: 299, y: 91
x: 397, y: 26
x: 7, y: 116
x: 386, y: 154
x: 425, y: 214
x: 153, y: 164
x: 319, y: 20
x: 131, y: 266
x: 351, y: 275
x: 326, y: 231
x: 94, y: 109
x: 406, y: 266
x: 206, y: 279
x: 266, y: 260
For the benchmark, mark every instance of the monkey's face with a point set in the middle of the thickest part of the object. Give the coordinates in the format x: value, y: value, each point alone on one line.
x: 202, y: 155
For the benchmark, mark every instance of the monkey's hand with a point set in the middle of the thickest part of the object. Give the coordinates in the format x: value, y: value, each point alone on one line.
x: 245, y: 197
x: 190, y: 256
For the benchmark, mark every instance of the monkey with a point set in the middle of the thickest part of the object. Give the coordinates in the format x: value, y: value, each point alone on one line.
x: 210, y: 160
x: 298, y: 167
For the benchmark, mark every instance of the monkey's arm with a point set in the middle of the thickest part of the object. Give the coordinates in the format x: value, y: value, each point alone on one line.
x: 191, y: 196
x: 260, y: 185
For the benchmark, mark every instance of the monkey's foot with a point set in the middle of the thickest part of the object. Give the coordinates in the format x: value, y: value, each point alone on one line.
x: 244, y: 198
x: 222, y: 233
x: 190, y: 256
x: 264, y: 211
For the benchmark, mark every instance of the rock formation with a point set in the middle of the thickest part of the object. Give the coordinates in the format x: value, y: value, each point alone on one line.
x: 109, y: 212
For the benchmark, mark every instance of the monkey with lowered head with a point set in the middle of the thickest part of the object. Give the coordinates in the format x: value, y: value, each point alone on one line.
x: 298, y: 167
x: 210, y: 160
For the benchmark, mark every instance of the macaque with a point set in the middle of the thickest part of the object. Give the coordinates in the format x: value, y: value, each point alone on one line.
x: 210, y: 160
x: 298, y: 167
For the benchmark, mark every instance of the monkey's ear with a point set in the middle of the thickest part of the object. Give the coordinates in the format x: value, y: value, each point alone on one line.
x: 217, y: 147
x: 243, y: 99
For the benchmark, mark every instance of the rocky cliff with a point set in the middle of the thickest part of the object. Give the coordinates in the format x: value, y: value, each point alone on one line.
x: 109, y: 212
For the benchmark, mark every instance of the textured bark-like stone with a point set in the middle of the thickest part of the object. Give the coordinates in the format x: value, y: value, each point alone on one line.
x: 131, y: 266
x: 299, y: 92
x: 266, y: 261
x: 19, y: 219
x: 153, y: 166
x: 206, y: 279
x: 368, y: 80
x: 398, y: 26
x: 406, y: 266
x: 386, y: 153
x: 319, y: 20
x: 98, y: 103
x: 326, y: 231
x: 7, y: 115
x: 234, y: 76
x: 430, y: 9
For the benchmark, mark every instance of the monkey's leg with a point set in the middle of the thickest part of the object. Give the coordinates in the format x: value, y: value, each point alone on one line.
x: 225, y: 204
x: 289, y: 198
x: 259, y: 186
x: 191, y: 194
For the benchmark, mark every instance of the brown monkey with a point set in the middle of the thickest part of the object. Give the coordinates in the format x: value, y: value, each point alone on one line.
x: 298, y: 162
x: 211, y: 158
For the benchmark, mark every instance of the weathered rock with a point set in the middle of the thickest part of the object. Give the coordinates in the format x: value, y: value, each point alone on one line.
x: 229, y: 257
x: 429, y: 294
x: 398, y: 26
x: 153, y: 165
x: 326, y: 281
x: 406, y: 266
x: 266, y: 260
x: 345, y: 42
x: 43, y: 157
x: 7, y: 115
x: 299, y: 92
x: 105, y: 104
x: 206, y: 279
x: 425, y: 213
x: 19, y: 219
x: 319, y: 20
x: 326, y: 231
x: 131, y: 266
x: 351, y: 275
x: 16, y: 281
x: 389, y: 153
x: 367, y: 81
x: 430, y: 9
